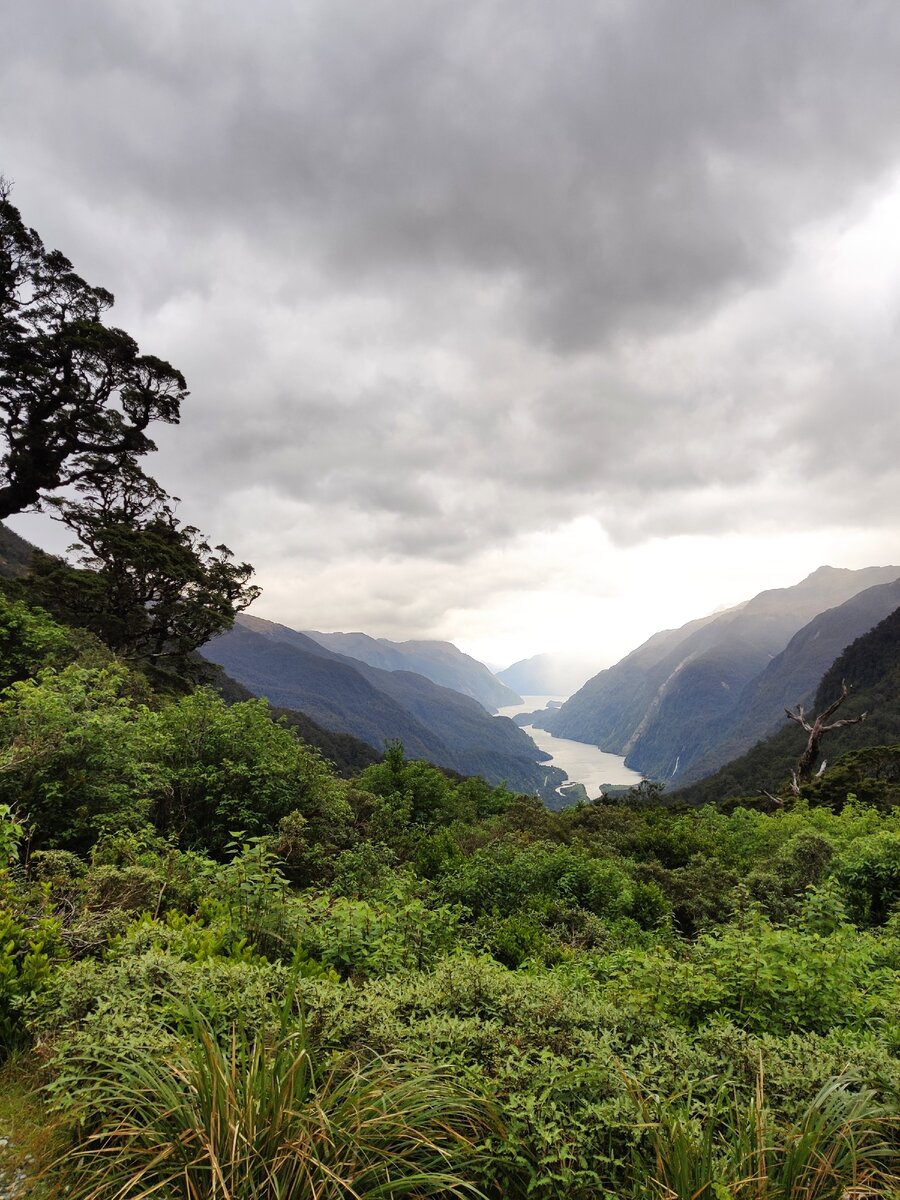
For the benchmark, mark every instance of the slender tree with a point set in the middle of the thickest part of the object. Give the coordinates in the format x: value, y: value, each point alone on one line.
x: 72, y: 388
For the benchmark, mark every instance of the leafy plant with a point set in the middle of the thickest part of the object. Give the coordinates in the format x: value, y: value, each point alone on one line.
x: 30, y: 950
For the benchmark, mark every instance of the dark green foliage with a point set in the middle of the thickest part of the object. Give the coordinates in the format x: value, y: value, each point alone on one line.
x: 232, y: 768
x: 610, y: 978
x: 868, y: 874
x: 148, y: 586
x: 871, y: 776
x: 424, y: 797
x: 86, y: 753
x: 71, y: 387
x: 79, y: 756
x: 344, y: 752
x: 29, y: 640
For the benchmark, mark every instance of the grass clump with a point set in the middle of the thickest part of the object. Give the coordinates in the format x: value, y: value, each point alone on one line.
x: 840, y: 1147
x: 248, y: 1117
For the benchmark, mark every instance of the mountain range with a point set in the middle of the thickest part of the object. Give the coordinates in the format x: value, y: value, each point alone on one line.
x: 688, y: 699
x: 448, y: 729
x: 700, y: 707
x: 441, y: 662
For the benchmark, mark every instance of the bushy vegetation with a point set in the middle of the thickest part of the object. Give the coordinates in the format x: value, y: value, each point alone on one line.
x: 241, y: 975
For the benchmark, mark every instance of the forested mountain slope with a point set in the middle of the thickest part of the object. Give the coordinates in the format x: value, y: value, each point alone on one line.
x: 871, y: 666
x: 15, y: 554
x: 343, y: 694
x: 659, y: 704
x: 441, y: 662
x: 792, y: 677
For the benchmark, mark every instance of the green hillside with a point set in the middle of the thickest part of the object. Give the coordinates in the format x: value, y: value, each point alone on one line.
x: 871, y: 665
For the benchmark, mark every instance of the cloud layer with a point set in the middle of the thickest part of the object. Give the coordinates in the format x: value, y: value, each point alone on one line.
x: 450, y: 281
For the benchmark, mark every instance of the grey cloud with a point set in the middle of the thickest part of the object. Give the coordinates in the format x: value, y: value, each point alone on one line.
x: 622, y: 165
x: 441, y: 274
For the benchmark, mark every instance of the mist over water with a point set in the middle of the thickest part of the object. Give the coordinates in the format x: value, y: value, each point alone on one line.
x: 582, y: 763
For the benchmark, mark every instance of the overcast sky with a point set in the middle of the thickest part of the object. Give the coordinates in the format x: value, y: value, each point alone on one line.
x: 532, y: 326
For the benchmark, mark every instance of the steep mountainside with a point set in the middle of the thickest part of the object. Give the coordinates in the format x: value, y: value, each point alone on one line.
x: 15, y: 554
x: 343, y: 694
x: 871, y: 665
x: 660, y: 705
x: 441, y: 662
x: 792, y: 676
x: 347, y: 754
x: 609, y: 707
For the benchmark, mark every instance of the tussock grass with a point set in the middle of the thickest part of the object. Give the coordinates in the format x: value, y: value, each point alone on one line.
x: 247, y: 1120
x: 843, y: 1146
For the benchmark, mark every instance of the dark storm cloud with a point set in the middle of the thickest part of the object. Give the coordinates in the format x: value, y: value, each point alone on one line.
x: 441, y: 272
x: 621, y: 163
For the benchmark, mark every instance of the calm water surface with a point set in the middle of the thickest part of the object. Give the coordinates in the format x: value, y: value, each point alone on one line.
x: 581, y: 762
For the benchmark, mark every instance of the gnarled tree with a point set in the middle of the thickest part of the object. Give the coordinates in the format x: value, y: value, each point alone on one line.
x: 817, y: 727
x: 71, y: 387
x: 148, y: 586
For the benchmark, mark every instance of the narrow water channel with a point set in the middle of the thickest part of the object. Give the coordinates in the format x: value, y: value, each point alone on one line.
x: 582, y: 762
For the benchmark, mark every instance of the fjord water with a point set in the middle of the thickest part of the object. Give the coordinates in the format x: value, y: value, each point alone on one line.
x: 581, y: 762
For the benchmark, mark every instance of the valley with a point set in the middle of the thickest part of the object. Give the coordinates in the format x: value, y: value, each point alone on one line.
x: 583, y: 764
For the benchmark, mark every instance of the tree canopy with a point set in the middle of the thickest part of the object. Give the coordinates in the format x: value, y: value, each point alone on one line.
x: 149, y: 586
x: 76, y: 398
x: 71, y: 387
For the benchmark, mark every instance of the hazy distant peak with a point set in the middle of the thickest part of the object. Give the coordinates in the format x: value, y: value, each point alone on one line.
x: 441, y: 662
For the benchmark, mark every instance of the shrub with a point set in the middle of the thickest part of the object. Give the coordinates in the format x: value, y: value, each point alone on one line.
x: 77, y: 759
x: 30, y: 951
x: 869, y: 874
x: 225, y: 768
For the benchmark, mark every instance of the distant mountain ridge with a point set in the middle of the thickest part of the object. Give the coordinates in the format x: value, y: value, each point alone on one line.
x: 670, y: 702
x: 441, y: 662
x: 793, y: 676
x: 547, y: 674
x: 343, y: 694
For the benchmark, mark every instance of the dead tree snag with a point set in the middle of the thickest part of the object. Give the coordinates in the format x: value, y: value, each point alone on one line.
x: 817, y: 727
